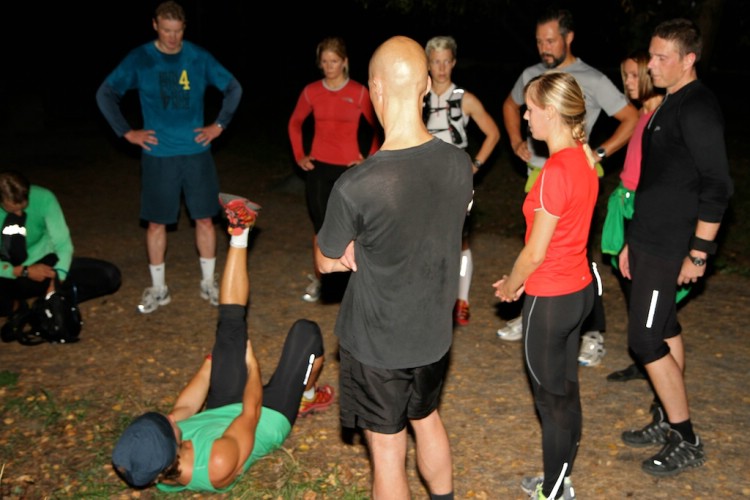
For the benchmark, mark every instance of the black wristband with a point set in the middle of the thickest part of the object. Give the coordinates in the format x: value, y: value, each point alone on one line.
x: 25, y: 272
x: 702, y: 245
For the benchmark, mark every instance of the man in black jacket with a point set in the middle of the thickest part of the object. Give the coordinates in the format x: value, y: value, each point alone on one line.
x: 682, y: 194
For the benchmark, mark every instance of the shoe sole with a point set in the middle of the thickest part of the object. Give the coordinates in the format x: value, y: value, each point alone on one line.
x: 160, y: 303
x: 509, y: 338
x: 226, y: 198
x: 589, y: 363
x: 662, y: 473
x: 312, y: 410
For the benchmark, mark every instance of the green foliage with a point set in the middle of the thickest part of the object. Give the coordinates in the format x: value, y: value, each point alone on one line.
x: 8, y: 378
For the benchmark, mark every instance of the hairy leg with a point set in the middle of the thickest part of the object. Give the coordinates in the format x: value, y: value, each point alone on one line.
x: 205, y: 238
x: 434, y: 453
x: 156, y: 243
x: 388, y: 455
x: 666, y: 375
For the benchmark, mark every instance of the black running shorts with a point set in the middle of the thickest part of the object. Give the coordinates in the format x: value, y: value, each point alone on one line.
x: 383, y: 400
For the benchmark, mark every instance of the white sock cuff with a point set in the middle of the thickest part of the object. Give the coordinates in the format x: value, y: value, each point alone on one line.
x: 240, y: 241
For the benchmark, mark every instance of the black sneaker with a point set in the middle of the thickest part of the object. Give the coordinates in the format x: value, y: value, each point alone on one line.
x: 676, y: 456
x: 13, y: 329
x: 632, y: 372
x: 653, y: 433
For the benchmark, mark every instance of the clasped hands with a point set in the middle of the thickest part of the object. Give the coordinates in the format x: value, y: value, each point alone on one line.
x: 504, y: 292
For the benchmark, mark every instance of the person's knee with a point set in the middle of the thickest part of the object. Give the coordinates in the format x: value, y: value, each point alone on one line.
x: 305, y: 330
x: 646, y: 353
x: 555, y: 406
x: 304, y: 327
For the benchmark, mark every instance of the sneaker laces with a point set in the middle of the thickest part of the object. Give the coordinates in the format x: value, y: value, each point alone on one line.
x: 678, y: 452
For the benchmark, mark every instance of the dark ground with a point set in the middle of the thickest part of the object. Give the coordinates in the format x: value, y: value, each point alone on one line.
x: 61, y: 418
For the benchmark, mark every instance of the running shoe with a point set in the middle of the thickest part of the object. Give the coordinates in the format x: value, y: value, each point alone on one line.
x: 651, y: 434
x: 461, y: 313
x: 241, y: 212
x: 592, y: 349
x: 530, y: 484
x: 675, y: 456
x: 632, y: 372
x: 323, y: 399
x: 152, y: 298
x: 210, y: 291
x: 512, y: 331
x: 312, y: 292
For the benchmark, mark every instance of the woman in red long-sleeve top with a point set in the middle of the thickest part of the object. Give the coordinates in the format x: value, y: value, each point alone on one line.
x: 337, y: 104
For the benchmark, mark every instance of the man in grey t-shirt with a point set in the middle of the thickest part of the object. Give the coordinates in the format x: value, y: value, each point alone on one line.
x: 554, y: 36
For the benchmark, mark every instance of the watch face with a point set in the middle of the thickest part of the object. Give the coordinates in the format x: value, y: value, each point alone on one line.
x: 698, y: 261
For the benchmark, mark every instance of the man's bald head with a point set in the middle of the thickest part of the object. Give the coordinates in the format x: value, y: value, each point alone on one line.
x: 400, y: 64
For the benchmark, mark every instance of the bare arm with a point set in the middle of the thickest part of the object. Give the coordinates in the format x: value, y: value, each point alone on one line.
x: 328, y: 265
x: 628, y: 117
x: 512, y: 122
x: 472, y: 107
x: 232, y: 449
x: 193, y: 395
x: 510, y: 288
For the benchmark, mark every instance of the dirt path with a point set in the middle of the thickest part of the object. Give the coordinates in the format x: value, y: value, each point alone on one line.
x: 127, y: 363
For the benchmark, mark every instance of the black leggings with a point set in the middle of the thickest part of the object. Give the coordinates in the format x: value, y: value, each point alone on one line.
x: 318, y: 186
x: 552, y: 333
x: 87, y: 279
x: 596, y: 320
x: 283, y: 392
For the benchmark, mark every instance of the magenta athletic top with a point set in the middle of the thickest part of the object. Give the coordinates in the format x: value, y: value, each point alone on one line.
x: 631, y: 168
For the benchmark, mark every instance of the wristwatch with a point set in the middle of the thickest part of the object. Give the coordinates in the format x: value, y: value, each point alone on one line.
x: 25, y: 272
x: 697, y: 261
x: 601, y: 152
x: 477, y: 163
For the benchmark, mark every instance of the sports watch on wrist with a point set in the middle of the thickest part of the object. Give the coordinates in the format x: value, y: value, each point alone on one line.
x: 697, y: 261
x: 25, y: 272
x: 601, y: 152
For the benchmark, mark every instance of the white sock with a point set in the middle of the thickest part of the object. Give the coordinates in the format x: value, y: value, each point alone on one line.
x: 464, y: 277
x: 240, y: 241
x: 208, y: 268
x: 158, y: 272
x: 309, y: 394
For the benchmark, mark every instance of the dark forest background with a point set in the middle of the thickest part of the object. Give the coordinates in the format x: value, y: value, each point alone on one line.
x: 57, y: 55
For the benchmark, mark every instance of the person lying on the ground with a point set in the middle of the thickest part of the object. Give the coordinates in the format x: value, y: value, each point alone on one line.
x: 224, y: 419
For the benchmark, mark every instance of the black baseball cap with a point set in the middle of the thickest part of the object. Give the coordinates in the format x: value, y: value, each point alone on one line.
x: 147, y: 447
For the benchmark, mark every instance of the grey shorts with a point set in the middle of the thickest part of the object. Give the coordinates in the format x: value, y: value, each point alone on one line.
x: 165, y: 180
x: 383, y: 400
